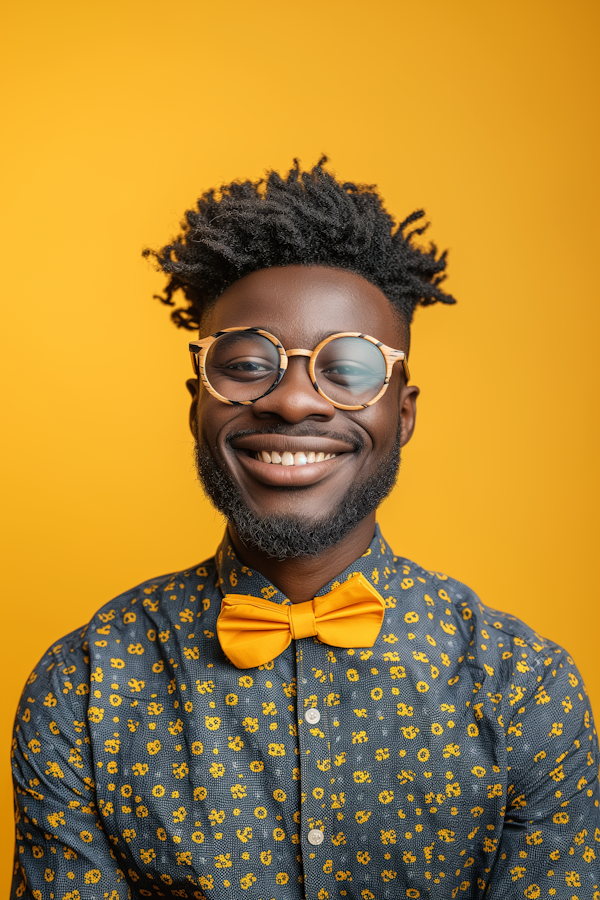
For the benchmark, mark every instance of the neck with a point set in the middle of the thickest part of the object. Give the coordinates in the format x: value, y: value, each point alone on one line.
x: 299, y: 579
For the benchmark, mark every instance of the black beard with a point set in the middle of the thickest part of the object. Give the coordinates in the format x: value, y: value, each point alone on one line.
x: 292, y: 537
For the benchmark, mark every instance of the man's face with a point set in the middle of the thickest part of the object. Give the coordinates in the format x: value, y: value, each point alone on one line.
x: 301, y: 306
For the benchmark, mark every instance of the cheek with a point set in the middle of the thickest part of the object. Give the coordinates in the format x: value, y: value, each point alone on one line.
x: 382, y: 421
x: 216, y: 420
x: 208, y: 418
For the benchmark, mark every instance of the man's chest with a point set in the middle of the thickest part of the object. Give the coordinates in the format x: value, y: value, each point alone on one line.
x: 328, y: 773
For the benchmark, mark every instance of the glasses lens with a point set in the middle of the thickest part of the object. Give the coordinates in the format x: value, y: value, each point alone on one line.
x: 241, y: 365
x: 350, y: 370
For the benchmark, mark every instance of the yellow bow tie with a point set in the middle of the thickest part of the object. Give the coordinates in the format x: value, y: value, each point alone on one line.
x: 253, y: 631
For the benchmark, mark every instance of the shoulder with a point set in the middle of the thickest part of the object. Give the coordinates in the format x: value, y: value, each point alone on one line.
x: 494, y: 643
x: 65, y: 674
x: 527, y: 684
x: 501, y: 642
x: 147, y: 598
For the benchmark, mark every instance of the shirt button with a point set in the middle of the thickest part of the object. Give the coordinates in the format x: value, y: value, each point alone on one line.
x: 312, y: 716
x: 315, y: 837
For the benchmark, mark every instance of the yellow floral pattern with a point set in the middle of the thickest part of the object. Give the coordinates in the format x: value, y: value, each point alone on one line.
x: 457, y: 757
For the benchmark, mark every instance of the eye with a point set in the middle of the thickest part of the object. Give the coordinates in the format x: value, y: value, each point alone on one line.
x: 244, y: 368
x: 348, y: 372
x: 241, y: 356
x: 249, y: 365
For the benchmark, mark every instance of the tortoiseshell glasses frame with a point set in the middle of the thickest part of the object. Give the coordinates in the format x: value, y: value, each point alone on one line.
x: 200, y: 348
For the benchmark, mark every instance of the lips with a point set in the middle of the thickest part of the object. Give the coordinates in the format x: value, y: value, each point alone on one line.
x: 286, y: 461
x: 282, y: 443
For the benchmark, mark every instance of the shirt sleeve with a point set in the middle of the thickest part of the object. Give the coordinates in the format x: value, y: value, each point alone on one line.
x: 62, y: 849
x: 550, y: 846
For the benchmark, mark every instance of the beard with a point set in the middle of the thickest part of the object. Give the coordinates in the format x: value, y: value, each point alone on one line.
x: 289, y: 537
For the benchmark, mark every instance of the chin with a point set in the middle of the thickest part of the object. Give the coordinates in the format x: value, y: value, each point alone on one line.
x: 289, y: 535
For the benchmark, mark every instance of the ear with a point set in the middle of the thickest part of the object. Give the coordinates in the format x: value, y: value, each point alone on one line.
x: 192, y: 386
x: 408, y: 411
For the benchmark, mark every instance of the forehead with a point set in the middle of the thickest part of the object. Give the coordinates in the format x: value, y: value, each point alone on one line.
x: 303, y: 304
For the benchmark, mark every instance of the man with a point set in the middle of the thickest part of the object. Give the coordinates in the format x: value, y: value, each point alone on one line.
x: 305, y: 714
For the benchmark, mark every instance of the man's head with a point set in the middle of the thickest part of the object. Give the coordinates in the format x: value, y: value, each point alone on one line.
x: 303, y: 258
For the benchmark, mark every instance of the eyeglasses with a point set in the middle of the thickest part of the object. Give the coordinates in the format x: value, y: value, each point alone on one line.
x: 240, y: 365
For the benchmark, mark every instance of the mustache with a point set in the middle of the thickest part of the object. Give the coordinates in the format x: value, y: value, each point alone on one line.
x: 304, y: 429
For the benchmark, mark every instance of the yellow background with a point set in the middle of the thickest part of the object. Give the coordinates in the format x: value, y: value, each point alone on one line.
x: 120, y: 114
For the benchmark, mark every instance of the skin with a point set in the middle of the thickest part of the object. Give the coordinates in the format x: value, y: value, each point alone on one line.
x: 301, y: 305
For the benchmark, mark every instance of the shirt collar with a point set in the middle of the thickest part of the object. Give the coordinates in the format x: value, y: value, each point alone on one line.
x: 377, y: 564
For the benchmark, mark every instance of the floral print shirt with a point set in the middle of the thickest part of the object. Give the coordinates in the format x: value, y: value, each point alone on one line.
x: 457, y: 757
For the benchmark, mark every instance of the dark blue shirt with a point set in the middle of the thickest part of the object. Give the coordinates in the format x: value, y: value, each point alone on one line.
x: 457, y: 757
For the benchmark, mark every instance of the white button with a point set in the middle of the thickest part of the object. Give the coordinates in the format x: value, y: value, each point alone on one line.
x: 315, y: 837
x: 312, y: 716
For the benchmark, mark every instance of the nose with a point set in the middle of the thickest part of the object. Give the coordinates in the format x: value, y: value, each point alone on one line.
x: 295, y: 398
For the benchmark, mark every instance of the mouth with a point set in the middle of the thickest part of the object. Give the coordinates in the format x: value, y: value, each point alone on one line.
x: 288, y: 461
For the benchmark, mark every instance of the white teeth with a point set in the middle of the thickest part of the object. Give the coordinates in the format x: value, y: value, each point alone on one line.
x: 292, y: 459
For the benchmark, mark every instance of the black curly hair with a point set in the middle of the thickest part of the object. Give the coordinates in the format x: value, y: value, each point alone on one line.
x: 304, y: 218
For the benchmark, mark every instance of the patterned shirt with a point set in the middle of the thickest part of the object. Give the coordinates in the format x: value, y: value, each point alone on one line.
x: 457, y: 757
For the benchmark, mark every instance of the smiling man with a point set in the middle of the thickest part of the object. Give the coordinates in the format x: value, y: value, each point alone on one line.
x: 305, y: 715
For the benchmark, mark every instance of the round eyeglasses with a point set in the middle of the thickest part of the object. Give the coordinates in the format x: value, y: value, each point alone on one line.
x: 240, y: 365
